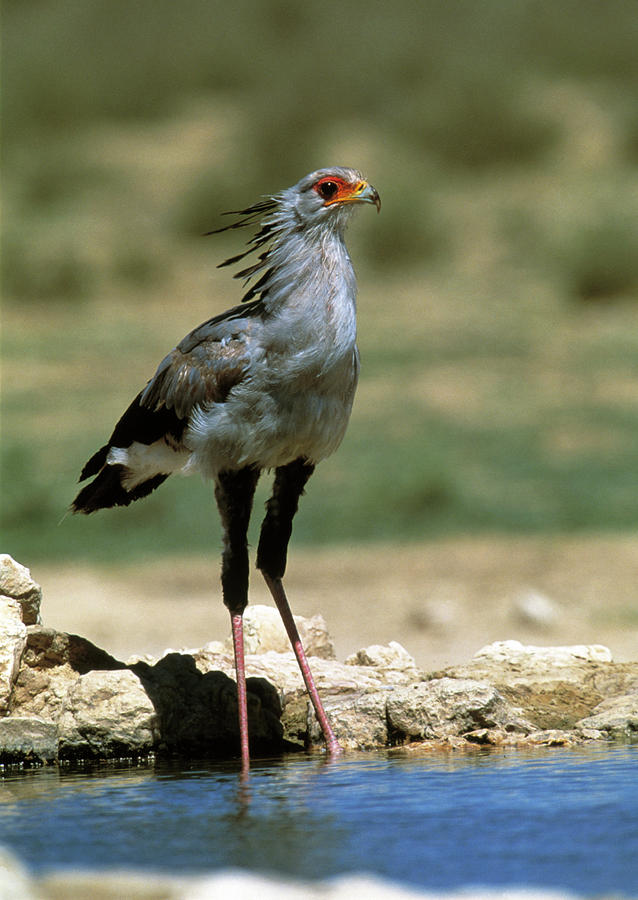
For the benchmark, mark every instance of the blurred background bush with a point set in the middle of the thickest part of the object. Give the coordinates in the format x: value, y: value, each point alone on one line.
x: 498, y: 288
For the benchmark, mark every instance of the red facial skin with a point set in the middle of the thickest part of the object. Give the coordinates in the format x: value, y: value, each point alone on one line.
x: 345, y: 191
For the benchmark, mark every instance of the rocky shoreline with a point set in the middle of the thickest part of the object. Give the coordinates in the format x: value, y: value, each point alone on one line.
x: 62, y: 698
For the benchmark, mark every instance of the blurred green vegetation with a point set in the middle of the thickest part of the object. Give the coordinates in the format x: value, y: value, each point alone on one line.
x: 498, y: 288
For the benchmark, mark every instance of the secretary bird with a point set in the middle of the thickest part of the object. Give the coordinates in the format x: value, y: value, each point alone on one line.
x: 268, y: 384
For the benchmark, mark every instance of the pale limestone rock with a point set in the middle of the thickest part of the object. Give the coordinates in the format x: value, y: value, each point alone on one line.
x: 47, y: 648
x: 315, y: 636
x: 27, y: 738
x: 386, y: 656
x: 555, y: 687
x: 61, y: 685
x: 13, y: 639
x: 534, y: 608
x: 359, y: 721
x: 16, y: 582
x: 216, y: 648
x: 51, y: 664
x: 331, y: 678
x: 515, y: 653
x: 445, y: 707
x: 264, y: 631
x: 282, y: 670
x: 197, y: 711
x: 439, y: 614
x: 616, y: 717
x: 107, y: 713
x: 348, y: 690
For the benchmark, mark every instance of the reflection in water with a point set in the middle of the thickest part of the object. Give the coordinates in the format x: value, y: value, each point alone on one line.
x: 549, y: 819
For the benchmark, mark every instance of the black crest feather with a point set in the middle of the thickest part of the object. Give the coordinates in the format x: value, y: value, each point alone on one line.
x: 250, y: 217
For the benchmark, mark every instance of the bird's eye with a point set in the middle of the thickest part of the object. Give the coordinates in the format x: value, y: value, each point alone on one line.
x: 327, y: 189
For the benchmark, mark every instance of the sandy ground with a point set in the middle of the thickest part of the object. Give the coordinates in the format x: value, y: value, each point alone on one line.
x: 442, y: 600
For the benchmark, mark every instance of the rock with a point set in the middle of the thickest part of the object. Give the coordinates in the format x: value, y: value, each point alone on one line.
x: 52, y: 663
x: 16, y: 583
x: 264, y: 631
x: 107, y: 714
x: 282, y: 670
x: 330, y: 677
x: 20, y: 600
x: 447, y: 707
x: 47, y: 648
x: 197, y: 711
x: 536, y: 609
x: 616, y: 717
x: 13, y: 639
x: 169, y: 706
x: 102, y: 708
x: 339, y: 685
x: 63, y: 697
x: 388, y: 656
x: 554, y: 687
x: 27, y: 739
x: 552, y: 737
x: 513, y: 653
x: 439, y: 615
x: 315, y: 637
x: 359, y: 721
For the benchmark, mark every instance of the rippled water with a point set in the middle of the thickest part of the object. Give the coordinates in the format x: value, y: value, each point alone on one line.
x: 565, y: 819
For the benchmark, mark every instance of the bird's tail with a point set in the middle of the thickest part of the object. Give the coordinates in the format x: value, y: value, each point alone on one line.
x: 107, y: 490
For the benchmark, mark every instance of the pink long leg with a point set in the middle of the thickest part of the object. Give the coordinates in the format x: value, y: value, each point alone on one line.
x: 276, y: 588
x: 240, y: 670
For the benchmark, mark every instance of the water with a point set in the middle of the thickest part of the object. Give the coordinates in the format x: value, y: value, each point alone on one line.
x: 555, y: 819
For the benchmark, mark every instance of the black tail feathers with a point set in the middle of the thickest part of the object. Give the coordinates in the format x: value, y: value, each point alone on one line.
x: 107, y: 490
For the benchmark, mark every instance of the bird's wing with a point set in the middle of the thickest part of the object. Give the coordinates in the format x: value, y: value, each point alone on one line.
x: 202, y: 369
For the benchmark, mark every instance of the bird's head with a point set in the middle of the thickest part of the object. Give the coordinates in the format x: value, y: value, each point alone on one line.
x: 321, y: 202
x: 327, y: 195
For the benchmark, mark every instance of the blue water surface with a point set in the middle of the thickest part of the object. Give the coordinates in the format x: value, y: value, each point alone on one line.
x: 554, y: 819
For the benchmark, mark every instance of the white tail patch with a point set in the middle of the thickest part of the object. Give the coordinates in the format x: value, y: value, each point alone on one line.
x: 144, y: 461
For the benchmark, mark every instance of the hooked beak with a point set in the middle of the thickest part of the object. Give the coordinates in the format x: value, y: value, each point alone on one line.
x: 365, y: 193
x: 361, y: 192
